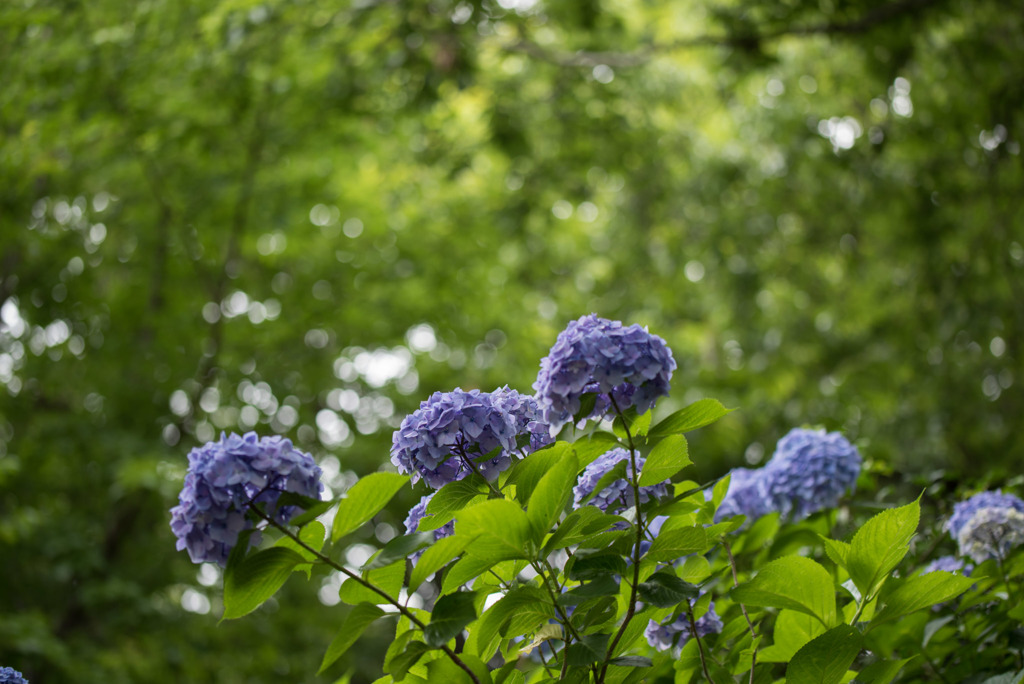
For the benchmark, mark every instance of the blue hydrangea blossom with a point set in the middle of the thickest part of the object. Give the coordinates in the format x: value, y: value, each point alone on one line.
x: 965, y: 510
x: 617, y: 496
x: 675, y: 632
x: 745, y: 496
x: 416, y: 515
x: 8, y: 675
x: 810, y: 471
x: 435, y: 442
x: 593, y: 355
x: 991, y: 533
x: 224, y: 478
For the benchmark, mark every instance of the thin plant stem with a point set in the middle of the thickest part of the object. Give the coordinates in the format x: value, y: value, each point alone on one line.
x: 369, y: 585
x: 634, y: 481
x: 700, y: 645
x: 472, y: 466
x: 736, y: 583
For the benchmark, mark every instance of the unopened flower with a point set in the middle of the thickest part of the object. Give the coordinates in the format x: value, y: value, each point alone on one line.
x: 416, y: 515
x: 745, y: 496
x: 8, y: 675
x: 453, y: 433
x: 618, y: 495
x: 674, y: 633
x: 624, y: 364
x: 225, y: 478
x: 810, y: 471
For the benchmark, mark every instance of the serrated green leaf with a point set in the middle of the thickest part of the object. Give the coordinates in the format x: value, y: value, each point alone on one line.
x: 919, y: 592
x: 667, y: 458
x: 664, y: 590
x: 445, y: 670
x: 450, y: 616
x: 525, y: 474
x: 436, y: 557
x: 696, y: 415
x: 634, y: 631
x: 452, y: 498
x: 255, y: 579
x: 361, y: 617
x: 632, y: 661
x: 364, y: 500
x: 465, y: 570
x: 590, y: 567
x: 579, y: 525
x: 312, y: 535
x: 529, y: 605
x: 399, y: 549
x: 399, y: 665
x: 389, y: 579
x: 879, y: 546
x: 500, y: 528
x: 792, y: 582
x: 641, y: 424
x: 589, y: 649
x: 695, y: 569
x: 671, y: 545
x: 837, y: 551
x: 589, y: 448
x: 883, y: 671
x: 792, y: 631
x: 552, y: 493
x: 587, y: 403
x: 603, y: 585
x: 826, y: 658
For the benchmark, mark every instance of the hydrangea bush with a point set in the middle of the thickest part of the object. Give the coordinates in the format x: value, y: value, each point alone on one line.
x: 594, y: 558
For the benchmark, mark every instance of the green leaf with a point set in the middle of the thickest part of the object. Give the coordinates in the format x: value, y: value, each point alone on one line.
x: 696, y: 415
x: 531, y: 605
x: 258, y: 577
x: 825, y: 659
x: 667, y: 458
x: 641, y: 424
x: 361, y: 617
x: 312, y: 508
x: 436, y: 557
x: 791, y: 632
x: 587, y: 403
x: 553, y: 492
x: 399, y: 665
x: 467, y: 568
x: 879, y: 546
x: 590, y: 567
x: 665, y: 590
x: 883, y: 671
x: 673, y: 544
x: 389, y: 579
x: 634, y: 631
x: 617, y: 472
x: 837, y: 551
x: 695, y: 569
x: 452, y: 498
x: 527, y: 473
x: 579, y: 525
x: 450, y: 616
x: 399, y: 549
x: 446, y: 671
x: 500, y: 528
x: 365, y: 499
x: 632, y: 661
x: 312, y: 535
x: 920, y: 592
x: 603, y: 585
x: 792, y: 582
x: 589, y: 649
x: 589, y: 448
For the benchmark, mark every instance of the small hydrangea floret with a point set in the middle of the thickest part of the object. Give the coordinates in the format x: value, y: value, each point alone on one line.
x: 673, y: 633
x: 624, y: 364
x: 811, y: 470
x: 8, y: 675
x: 618, y: 495
x: 415, y: 517
x: 949, y: 564
x: 228, y: 476
x: 745, y: 496
x: 454, y: 433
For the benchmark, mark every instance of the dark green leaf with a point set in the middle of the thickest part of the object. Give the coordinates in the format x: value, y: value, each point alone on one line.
x: 361, y: 617
x: 258, y: 577
x: 399, y: 549
x: 883, y: 671
x: 602, y: 586
x: 590, y: 567
x: 696, y: 415
x: 665, y: 590
x: 450, y: 616
x: 399, y: 665
x: 673, y: 544
x: 919, y: 592
x: 452, y: 498
x: 389, y: 579
x: 436, y: 557
x: 825, y: 659
x: 632, y: 661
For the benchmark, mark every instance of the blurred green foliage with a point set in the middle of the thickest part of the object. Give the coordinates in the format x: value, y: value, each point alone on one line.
x: 303, y: 218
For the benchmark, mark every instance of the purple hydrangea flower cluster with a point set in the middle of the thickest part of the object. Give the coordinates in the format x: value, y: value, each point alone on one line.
x: 809, y: 471
x: 224, y: 478
x: 8, y: 675
x: 965, y: 510
x: 674, y: 633
x: 412, y: 524
x: 991, y: 533
x: 594, y: 355
x: 745, y: 496
x: 949, y: 564
x: 438, y: 440
x: 617, y: 496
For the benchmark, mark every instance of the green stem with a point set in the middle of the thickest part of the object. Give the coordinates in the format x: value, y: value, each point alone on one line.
x: 753, y: 634
x: 369, y: 585
x: 634, y: 481
x: 700, y: 645
x: 495, y: 494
